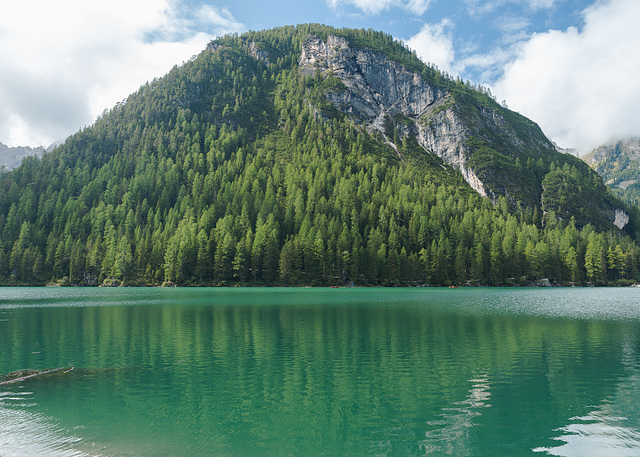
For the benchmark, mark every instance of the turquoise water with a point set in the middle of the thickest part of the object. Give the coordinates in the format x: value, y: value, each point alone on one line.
x: 321, y: 372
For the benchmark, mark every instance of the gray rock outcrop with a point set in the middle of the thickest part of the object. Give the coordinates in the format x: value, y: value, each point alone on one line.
x: 11, y: 158
x: 258, y: 53
x: 621, y: 219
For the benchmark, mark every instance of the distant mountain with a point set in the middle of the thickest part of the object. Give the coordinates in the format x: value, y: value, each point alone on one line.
x: 572, y: 151
x: 311, y: 155
x: 11, y: 158
x: 618, y: 163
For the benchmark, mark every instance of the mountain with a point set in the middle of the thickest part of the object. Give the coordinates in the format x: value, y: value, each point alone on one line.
x: 572, y: 151
x: 311, y: 155
x: 10, y: 158
x: 618, y: 163
x: 497, y: 151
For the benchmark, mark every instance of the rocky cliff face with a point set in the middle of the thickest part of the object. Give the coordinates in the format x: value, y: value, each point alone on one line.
x: 376, y: 86
x: 378, y: 89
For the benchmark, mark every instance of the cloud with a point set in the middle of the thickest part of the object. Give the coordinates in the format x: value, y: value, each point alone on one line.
x: 488, y: 66
x: 537, y: 5
x: 484, y: 7
x: 62, y: 66
x: 433, y: 44
x: 510, y: 25
x: 580, y: 85
x: 372, y: 7
x: 220, y: 20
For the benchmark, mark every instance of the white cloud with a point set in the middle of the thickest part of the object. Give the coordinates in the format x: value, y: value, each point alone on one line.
x: 220, y: 19
x: 536, y: 5
x: 484, y: 7
x: 62, y: 63
x: 581, y: 86
x: 434, y: 44
x: 510, y: 25
x: 486, y: 67
x: 373, y: 7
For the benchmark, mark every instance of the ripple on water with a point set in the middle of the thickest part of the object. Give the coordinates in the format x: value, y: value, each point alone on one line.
x: 597, y: 434
x: 493, y: 370
x: 28, y: 434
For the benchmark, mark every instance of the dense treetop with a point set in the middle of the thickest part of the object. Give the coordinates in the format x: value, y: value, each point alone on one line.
x: 222, y: 172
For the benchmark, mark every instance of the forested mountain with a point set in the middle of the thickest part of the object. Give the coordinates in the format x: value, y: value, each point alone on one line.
x: 311, y: 155
x: 618, y: 163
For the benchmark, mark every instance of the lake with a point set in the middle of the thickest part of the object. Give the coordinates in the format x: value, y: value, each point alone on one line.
x: 321, y: 372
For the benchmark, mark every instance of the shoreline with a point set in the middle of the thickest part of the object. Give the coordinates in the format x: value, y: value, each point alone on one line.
x: 528, y: 284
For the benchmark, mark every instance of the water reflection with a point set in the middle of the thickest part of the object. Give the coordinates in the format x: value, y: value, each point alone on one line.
x: 598, y: 434
x: 275, y: 372
x: 610, y: 429
x: 450, y: 433
x: 25, y: 433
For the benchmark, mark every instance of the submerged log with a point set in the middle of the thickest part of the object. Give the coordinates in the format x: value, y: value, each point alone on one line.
x: 21, y: 375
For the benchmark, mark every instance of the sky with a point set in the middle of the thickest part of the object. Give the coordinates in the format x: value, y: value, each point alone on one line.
x: 572, y: 66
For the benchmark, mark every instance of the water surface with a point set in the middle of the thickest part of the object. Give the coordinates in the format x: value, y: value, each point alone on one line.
x: 321, y: 372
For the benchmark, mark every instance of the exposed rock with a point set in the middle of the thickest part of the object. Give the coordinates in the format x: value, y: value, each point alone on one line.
x: 543, y: 282
x: 374, y: 84
x: 11, y: 158
x: 258, y: 53
x: 475, y: 182
x: 213, y: 46
x: 464, y: 128
x: 622, y: 219
x: 624, y: 184
x: 378, y: 88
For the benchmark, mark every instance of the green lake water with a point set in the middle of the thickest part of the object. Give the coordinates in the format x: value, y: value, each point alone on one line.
x: 321, y: 372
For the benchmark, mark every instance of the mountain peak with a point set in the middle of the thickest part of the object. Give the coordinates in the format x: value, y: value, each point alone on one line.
x: 11, y: 157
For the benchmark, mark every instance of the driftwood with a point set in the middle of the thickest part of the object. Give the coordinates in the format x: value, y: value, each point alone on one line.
x: 21, y: 375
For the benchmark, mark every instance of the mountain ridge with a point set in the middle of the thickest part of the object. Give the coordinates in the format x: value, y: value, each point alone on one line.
x: 11, y: 157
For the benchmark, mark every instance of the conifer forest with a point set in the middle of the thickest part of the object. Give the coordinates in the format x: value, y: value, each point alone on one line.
x: 231, y: 170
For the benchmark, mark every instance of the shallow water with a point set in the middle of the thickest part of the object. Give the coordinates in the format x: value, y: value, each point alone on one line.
x: 321, y: 372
